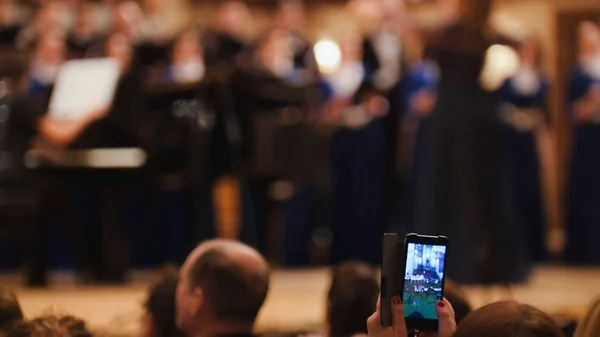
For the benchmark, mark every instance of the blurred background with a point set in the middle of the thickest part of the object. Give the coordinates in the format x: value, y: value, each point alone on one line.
x: 306, y: 129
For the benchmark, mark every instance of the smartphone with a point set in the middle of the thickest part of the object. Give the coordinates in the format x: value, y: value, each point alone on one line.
x: 422, y: 284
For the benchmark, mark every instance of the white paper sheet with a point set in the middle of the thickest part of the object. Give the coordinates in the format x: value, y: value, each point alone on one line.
x: 83, y: 86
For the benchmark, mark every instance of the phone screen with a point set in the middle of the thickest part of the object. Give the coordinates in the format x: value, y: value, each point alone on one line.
x: 423, y: 280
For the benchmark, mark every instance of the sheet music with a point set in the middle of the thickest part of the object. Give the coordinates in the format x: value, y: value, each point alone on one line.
x: 83, y: 86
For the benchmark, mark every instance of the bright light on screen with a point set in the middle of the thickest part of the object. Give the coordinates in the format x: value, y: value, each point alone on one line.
x: 328, y: 55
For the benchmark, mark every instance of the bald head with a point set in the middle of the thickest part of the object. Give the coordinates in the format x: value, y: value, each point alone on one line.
x: 233, y: 277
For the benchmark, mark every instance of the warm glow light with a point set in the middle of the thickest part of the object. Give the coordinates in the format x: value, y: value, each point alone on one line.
x: 500, y: 63
x: 328, y: 55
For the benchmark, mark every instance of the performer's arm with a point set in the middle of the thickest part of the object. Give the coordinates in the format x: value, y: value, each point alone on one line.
x: 62, y: 133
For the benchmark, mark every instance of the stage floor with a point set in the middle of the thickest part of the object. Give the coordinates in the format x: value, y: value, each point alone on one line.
x: 296, y: 300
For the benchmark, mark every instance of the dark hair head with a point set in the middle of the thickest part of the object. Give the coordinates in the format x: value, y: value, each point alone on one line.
x: 456, y: 296
x: 10, y: 310
x: 160, y: 305
x: 234, y: 291
x: 49, y: 326
x: 352, y: 298
x: 508, y: 319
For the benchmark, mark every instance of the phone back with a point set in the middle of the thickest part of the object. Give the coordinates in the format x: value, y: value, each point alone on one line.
x: 389, y: 276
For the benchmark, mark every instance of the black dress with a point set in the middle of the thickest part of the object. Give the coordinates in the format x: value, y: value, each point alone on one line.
x: 466, y: 193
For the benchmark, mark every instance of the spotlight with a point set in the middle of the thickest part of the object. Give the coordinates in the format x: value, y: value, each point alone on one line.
x: 328, y: 55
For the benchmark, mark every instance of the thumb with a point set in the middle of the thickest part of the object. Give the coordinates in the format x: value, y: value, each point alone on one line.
x: 447, y: 322
x: 399, y: 324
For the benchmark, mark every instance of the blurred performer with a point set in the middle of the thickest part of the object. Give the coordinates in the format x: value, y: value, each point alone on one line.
x: 383, y: 48
x: 50, y: 16
x: 467, y: 195
x: 188, y: 68
x: 112, y: 127
x: 524, y: 111
x: 128, y: 18
x: 264, y: 96
x: 83, y: 35
x: 291, y: 18
x: 9, y: 27
x: 51, y: 195
x: 154, y: 26
x: 384, y: 62
x: 164, y: 19
x: 584, y: 188
x: 224, y: 45
x: 187, y: 59
x: 69, y: 133
x: 358, y: 155
x: 153, y: 48
x: 48, y: 56
x: 419, y: 89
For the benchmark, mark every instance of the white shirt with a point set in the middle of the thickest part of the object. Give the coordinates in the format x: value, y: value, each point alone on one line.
x: 527, y: 81
x: 346, y: 80
x: 188, y: 72
x: 389, y: 52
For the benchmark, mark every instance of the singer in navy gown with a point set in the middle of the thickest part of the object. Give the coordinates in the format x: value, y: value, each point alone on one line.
x: 358, y: 163
x: 467, y: 195
x: 524, y: 100
x: 384, y: 60
x: 419, y: 89
x: 583, y: 217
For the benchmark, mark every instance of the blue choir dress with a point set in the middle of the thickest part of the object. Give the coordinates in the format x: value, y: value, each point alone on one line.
x: 421, y: 77
x: 523, y: 111
x: 583, y: 211
x: 358, y: 167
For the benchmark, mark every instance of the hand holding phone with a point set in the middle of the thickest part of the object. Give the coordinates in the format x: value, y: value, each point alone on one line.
x: 413, y: 270
x: 447, y: 322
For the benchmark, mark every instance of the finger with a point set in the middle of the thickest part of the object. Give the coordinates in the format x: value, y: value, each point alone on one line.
x: 447, y: 323
x: 374, y: 324
x: 450, y: 307
x: 399, y: 324
x: 374, y: 321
